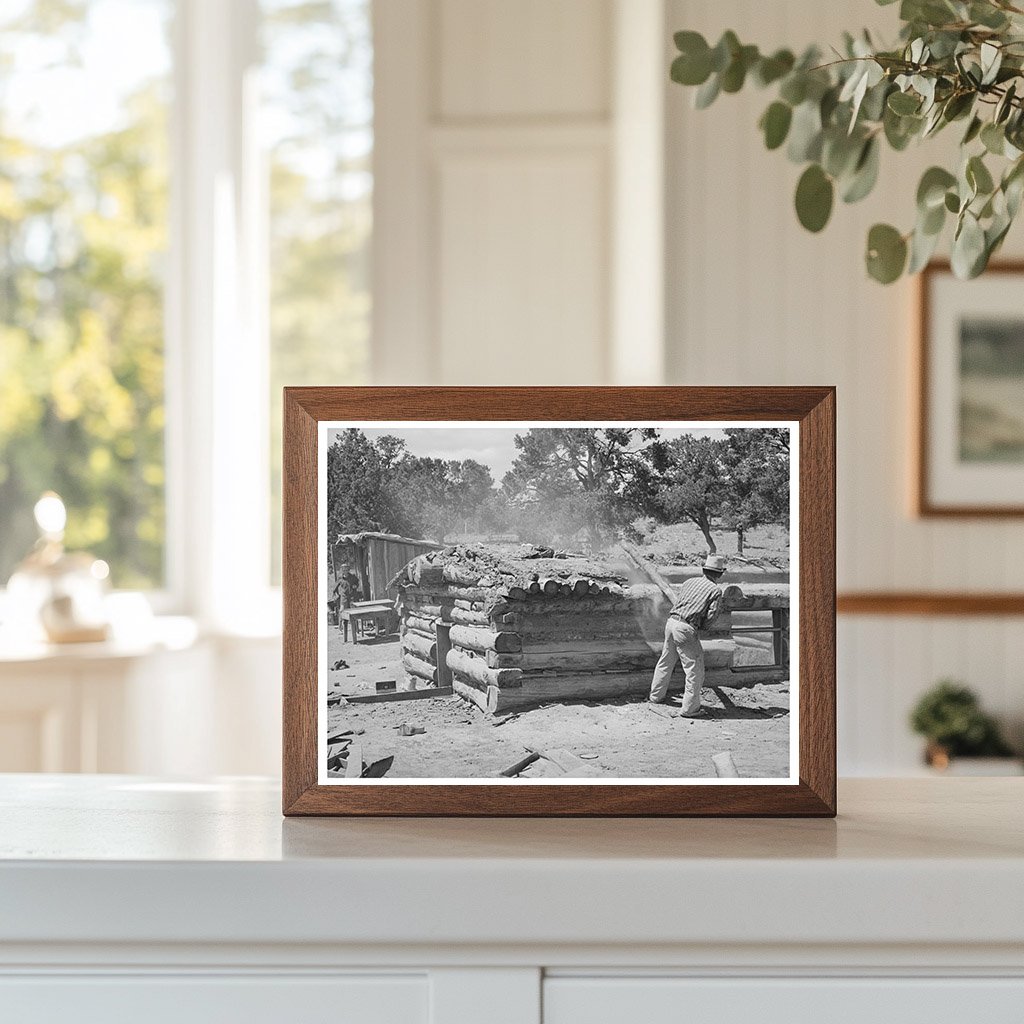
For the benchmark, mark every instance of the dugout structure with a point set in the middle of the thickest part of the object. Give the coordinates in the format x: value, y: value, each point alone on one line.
x: 513, y: 630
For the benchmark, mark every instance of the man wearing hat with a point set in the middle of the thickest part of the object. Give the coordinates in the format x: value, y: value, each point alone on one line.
x: 695, y: 609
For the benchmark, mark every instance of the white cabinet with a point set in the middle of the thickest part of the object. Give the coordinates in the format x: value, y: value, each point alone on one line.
x: 828, y: 1000
x: 202, y: 999
x: 126, y: 899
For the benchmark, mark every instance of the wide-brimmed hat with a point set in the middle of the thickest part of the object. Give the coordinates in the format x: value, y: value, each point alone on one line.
x: 716, y: 563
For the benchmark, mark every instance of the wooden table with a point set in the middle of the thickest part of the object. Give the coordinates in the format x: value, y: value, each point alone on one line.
x: 195, y: 901
x: 363, y: 614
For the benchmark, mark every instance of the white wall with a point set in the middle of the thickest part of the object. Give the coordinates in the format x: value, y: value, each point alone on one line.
x: 754, y: 299
x: 512, y: 248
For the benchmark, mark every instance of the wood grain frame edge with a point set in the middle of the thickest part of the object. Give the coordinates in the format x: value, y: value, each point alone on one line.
x: 815, y: 796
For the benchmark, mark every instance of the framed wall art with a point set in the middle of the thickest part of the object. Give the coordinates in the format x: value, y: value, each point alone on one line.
x: 559, y: 601
x: 970, y: 423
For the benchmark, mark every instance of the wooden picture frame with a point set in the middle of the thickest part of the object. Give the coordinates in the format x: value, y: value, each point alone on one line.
x: 931, y: 378
x: 810, y: 791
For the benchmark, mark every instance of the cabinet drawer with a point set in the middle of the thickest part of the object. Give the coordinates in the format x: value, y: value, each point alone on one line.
x: 205, y: 999
x: 661, y: 1000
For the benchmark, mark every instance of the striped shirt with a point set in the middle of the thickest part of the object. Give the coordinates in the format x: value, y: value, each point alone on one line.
x: 697, y: 602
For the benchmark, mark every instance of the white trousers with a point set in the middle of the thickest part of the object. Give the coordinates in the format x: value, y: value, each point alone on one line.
x: 682, y: 644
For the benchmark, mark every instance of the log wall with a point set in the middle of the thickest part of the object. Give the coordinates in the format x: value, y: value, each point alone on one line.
x: 573, y: 645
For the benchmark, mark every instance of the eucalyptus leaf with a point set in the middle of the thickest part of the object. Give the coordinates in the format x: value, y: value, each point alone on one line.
x: 814, y: 196
x: 805, y: 133
x: 865, y: 173
x: 886, y: 254
x: 931, y: 190
x: 707, y: 93
x: 771, y: 69
x: 993, y: 138
x: 735, y: 74
x: 954, y: 60
x: 775, y: 124
x: 903, y: 103
x: 932, y: 220
x: 840, y: 152
x: 691, y: 70
x: 794, y: 88
x: 922, y: 248
x: 991, y: 61
x: 987, y: 15
x: 1005, y: 105
x: 978, y: 176
x: 973, y: 130
x: 968, y: 248
x: 724, y: 51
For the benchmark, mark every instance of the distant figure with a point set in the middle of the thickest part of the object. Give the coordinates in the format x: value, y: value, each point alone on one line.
x: 346, y: 589
x: 695, y: 609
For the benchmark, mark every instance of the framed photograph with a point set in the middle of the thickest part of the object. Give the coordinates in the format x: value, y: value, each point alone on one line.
x: 559, y: 601
x: 970, y: 444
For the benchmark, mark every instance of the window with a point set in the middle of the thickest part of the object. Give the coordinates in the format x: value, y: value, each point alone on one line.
x: 83, y: 236
x: 237, y: 212
x: 317, y: 117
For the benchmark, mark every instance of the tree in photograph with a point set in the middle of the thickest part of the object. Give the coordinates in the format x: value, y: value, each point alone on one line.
x: 567, y: 481
x: 694, y: 483
x: 356, y: 499
x: 757, y: 491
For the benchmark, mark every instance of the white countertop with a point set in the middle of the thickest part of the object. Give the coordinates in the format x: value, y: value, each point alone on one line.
x: 121, y: 859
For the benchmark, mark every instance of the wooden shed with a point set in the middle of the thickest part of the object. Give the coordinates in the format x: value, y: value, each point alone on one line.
x: 508, y: 632
x: 376, y: 558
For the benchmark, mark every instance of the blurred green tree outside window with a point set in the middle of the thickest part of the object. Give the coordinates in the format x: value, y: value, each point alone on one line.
x: 317, y: 120
x: 83, y: 237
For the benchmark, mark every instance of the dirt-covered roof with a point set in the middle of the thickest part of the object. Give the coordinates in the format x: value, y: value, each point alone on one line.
x: 503, y: 567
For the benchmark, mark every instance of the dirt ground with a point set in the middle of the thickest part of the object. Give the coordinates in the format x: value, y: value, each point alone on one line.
x: 621, y: 738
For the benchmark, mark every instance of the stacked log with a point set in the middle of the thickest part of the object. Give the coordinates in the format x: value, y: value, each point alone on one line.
x: 419, y: 638
x: 523, y: 634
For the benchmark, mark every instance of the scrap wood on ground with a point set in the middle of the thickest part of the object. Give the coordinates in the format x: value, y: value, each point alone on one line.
x: 618, y: 738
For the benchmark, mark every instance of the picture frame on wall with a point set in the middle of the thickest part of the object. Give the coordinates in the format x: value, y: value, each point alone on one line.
x: 969, y: 448
x: 559, y: 601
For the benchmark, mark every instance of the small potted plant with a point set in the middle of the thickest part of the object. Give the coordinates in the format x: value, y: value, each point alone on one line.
x: 950, y: 718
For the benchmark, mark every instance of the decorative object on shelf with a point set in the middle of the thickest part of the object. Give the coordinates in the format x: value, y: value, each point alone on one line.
x: 950, y: 717
x: 552, y: 555
x: 56, y: 594
x: 956, y: 61
x: 970, y: 422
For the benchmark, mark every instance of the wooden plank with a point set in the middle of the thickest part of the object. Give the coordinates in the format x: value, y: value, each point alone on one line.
x: 464, y: 617
x: 597, y: 660
x: 419, y: 646
x: 419, y: 668
x: 495, y: 660
x: 936, y: 603
x: 471, y: 692
x: 523, y: 762
x: 478, y: 670
x: 483, y: 640
x: 568, y: 763
x: 383, y: 698
x: 625, y: 646
x: 354, y: 764
x: 423, y: 624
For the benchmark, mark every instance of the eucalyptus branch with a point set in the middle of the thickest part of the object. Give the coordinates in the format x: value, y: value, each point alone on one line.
x: 955, y: 61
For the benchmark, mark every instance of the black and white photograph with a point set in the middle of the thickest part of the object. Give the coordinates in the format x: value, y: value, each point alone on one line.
x: 535, y: 602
